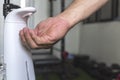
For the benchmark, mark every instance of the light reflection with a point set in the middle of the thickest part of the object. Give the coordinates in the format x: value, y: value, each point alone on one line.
x: 22, y: 3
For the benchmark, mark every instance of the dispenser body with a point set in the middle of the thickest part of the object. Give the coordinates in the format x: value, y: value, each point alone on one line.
x: 17, y: 59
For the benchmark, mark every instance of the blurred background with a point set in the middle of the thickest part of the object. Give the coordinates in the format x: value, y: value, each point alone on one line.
x: 90, y: 51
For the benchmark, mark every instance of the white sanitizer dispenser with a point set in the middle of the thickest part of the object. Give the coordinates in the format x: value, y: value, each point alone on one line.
x: 17, y: 59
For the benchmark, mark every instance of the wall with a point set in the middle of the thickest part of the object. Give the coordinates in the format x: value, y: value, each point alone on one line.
x: 101, y: 41
x: 72, y: 39
x: 42, y: 13
x: 1, y: 30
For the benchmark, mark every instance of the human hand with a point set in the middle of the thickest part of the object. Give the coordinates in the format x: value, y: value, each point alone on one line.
x: 46, y: 33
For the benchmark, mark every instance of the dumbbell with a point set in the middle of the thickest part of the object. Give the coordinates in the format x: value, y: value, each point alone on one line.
x: 115, y: 70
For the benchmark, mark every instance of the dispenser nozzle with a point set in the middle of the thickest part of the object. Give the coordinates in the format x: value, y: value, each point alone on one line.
x: 19, y: 15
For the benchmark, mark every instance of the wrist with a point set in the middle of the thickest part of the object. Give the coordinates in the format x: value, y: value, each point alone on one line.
x: 72, y: 16
x: 67, y: 19
x: 64, y: 21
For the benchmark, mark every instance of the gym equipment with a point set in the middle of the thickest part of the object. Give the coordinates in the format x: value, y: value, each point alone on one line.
x: 100, y: 71
x: 115, y: 70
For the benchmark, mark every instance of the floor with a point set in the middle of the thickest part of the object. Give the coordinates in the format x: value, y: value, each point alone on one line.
x: 71, y: 74
x: 82, y: 76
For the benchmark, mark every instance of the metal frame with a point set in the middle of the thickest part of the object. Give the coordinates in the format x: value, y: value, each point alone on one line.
x: 51, y: 14
x: 113, y: 12
x: 63, y: 40
x: 7, y: 7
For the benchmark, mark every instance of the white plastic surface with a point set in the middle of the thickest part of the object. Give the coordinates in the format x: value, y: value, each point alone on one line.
x: 17, y: 58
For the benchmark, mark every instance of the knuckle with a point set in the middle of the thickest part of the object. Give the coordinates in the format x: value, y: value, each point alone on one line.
x: 38, y: 42
x: 33, y: 47
x: 52, y: 40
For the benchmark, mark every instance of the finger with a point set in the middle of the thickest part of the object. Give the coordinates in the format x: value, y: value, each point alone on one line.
x: 41, y: 24
x: 22, y: 37
x: 30, y: 42
x: 28, y: 39
x: 40, y: 40
x: 44, y: 47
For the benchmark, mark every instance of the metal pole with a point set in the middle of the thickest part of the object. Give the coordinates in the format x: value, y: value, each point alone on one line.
x: 5, y: 7
x: 115, y: 4
x: 6, y: 1
x: 63, y: 40
x: 51, y: 14
x: 51, y: 8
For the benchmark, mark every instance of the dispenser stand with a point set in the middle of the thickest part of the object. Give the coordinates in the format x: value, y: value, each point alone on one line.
x: 7, y: 7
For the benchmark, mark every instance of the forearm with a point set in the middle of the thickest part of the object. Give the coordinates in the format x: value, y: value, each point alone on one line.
x: 81, y: 9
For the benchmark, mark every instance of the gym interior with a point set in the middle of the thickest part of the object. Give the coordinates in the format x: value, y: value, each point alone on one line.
x: 90, y: 51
